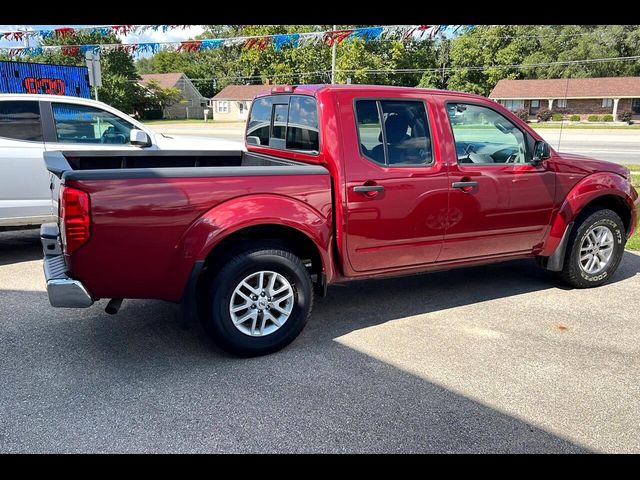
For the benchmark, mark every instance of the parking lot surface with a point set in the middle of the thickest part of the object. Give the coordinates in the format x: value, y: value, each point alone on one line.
x: 487, y: 359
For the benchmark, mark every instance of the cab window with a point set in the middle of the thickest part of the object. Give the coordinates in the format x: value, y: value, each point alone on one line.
x: 285, y: 122
x: 485, y: 137
x: 394, y: 132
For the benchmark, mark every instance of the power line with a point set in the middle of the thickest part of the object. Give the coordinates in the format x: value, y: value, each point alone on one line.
x: 423, y: 70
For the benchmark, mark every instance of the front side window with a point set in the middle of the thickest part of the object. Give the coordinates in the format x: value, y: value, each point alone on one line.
x: 607, y: 102
x: 84, y: 124
x: 562, y: 103
x: 394, y: 132
x: 20, y: 121
x: 483, y: 136
x: 285, y: 122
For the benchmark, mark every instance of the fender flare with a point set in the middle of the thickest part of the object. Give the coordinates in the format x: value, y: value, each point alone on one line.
x: 583, y: 193
x: 254, y: 210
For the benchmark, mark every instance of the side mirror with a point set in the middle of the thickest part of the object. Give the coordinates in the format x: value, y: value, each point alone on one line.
x: 541, y: 152
x: 253, y: 140
x: 139, y: 138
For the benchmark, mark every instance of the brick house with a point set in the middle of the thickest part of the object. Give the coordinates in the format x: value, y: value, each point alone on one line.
x: 574, y: 96
x: 233, y: 102
x: 192, y: 104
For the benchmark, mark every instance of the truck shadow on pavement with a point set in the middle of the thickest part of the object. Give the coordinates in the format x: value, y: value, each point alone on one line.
x: 84, y: 381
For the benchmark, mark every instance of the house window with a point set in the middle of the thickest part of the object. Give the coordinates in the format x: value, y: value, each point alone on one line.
x: 513, y: 105
x: 535, y: 103
x: 222, y: 106
x: 607, y: 102
x: 562, y: 103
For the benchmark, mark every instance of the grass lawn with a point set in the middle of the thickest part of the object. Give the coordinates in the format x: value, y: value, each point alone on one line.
x: 634, y: 242
x: 584, y: 126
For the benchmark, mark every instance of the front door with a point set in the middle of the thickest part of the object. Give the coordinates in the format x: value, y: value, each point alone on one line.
x: 396, y: 188
x: 499, y: 202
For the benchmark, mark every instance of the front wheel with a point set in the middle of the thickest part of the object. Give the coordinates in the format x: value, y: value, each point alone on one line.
x: 258, y: 302
x: 594, y: 250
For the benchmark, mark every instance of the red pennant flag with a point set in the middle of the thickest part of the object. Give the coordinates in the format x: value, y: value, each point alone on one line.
x: 64, y: 32
x: 70, y: 50
x: 189, y: 46
x: 336, y: 37
x: 123, y: 29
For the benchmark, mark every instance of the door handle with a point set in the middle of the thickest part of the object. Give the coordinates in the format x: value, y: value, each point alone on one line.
x: 464, y: 186
x: 368, y: 188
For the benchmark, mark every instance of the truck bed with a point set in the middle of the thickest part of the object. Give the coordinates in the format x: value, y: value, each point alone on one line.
x: 143, y: 210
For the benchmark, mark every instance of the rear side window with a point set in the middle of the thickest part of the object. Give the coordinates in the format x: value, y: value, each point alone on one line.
x: 285, y: 122
x: 20, y: 120
x: 394, y: 132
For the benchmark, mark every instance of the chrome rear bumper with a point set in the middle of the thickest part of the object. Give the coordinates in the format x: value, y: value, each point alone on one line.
x: 63, y: 291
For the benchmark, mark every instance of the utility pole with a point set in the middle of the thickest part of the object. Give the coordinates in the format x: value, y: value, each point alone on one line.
x: 333, y: 60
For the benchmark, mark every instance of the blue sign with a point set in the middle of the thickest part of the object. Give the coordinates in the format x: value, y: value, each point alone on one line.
x: 22, y: 77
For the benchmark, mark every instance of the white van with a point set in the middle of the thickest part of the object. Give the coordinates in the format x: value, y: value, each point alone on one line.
x: 33, y: 124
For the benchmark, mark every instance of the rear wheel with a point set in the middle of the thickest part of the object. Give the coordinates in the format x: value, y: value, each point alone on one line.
x: 594, y: 250
x: 258, y: 302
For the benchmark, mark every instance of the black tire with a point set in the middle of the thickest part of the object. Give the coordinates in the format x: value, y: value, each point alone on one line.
x: 572, y: 273
x: 220, y: 286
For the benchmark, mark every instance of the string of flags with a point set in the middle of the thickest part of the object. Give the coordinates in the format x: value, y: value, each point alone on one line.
x: 279, y: 41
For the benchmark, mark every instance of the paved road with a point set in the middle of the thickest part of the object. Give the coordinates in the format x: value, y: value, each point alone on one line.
x: 491, y: 359
x: 620, y: 146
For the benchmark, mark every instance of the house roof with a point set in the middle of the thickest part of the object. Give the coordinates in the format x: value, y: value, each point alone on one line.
x: 241, y: 92
x: 166, y: 80
x: 570, y: 88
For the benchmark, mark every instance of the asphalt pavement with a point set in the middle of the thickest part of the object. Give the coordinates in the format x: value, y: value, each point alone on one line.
x: 487, y: 359
x: 620, y: 146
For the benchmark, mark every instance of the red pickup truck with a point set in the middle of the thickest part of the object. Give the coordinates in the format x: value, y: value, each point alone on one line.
x: 335, y: 183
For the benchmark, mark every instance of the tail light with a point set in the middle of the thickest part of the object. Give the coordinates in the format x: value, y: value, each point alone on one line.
x: 75, y: 218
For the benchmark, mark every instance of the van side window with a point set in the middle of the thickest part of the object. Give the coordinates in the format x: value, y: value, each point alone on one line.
x: 20, y: 120
x: 84, y: 124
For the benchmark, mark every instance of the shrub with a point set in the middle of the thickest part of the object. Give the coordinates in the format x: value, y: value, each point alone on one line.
x: 152, y: 114
x: 557, y: 117
x: 544, y: 115
x: 574, y: 118
x: 593, y: 118
x: 607, y: 118
x: 626, y: 116
x: 523, y: 114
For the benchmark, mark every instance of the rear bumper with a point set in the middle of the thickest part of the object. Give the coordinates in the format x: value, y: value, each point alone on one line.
x: 63, y: 291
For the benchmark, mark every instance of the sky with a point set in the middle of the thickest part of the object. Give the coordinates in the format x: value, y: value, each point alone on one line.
x: 175, y: 35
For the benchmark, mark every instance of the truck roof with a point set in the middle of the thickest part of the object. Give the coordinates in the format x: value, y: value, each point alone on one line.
x: 313, y: 89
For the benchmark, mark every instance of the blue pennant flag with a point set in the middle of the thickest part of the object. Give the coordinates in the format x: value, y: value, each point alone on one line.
x: 47, y: 33
x: 366, y: 34
x: 32, y: 51
x: 290, y: 39
x: 152, y: 47
x: 211, y: 44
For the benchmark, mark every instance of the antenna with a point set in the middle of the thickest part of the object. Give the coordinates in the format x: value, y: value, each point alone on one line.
x: 566, y: 92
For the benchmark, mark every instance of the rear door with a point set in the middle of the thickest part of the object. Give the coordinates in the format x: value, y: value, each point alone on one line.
x: 24, y: 181
x: 396, y: 187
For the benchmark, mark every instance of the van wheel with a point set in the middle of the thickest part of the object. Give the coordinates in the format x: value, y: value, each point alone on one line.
x: 594, y: 250
x: 258, y: 302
